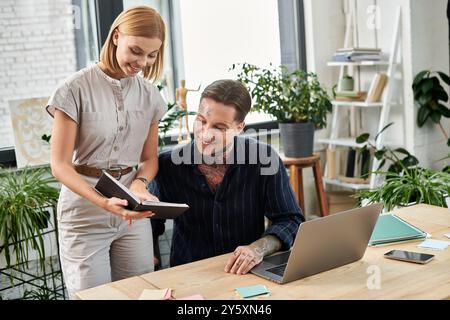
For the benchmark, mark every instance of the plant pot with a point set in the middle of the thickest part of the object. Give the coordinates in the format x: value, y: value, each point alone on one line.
x: 297, y: 139
x: 346, y: 84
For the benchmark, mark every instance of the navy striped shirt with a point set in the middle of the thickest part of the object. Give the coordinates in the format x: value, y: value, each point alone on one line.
x: 254, y: 186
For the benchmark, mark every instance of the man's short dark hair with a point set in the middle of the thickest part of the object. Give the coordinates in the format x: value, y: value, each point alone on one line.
x: 232, y: 93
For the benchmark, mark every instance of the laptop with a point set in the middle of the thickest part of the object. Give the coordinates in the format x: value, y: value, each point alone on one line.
x: 322, y: 244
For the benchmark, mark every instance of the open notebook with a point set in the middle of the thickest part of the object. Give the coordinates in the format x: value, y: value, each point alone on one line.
x: 390, y: 228
x: 109, y: 187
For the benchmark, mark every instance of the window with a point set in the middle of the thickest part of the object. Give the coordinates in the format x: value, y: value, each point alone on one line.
x: 216, y: 34
x: 163, y: 7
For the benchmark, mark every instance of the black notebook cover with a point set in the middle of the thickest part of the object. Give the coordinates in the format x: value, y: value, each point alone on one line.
x: 109, y: 187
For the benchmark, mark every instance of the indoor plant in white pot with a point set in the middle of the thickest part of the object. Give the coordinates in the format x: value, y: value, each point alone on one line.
x: 295, y: 99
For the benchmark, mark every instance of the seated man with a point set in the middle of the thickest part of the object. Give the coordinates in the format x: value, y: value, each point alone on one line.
x: 230, y: 183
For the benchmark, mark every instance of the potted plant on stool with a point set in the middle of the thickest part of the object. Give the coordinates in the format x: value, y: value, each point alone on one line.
x: 296, y: 99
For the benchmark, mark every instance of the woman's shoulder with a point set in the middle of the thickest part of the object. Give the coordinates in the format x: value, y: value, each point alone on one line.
x: 79, y: 78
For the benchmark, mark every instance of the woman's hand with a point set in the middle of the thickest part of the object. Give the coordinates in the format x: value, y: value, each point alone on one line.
x: 117, y: 206
x: 139, y: 188
x: 243, y: 259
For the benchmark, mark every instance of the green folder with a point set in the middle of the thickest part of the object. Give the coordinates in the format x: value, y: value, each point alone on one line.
x: 390, y: 228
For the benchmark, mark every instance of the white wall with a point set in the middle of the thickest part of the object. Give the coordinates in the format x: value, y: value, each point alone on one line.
x: 429, y: 51
x: 37, y: 51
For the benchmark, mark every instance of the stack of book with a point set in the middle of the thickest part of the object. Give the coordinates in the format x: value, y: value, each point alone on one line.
x: 391, y: 229
x: 357, y: 54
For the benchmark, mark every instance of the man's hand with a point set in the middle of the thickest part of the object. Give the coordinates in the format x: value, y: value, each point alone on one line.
x: 243, y: 259
x: 139, y: 188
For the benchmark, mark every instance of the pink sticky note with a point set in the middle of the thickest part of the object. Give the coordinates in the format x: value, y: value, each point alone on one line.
x: 193, y: 297
x: 168, y: 294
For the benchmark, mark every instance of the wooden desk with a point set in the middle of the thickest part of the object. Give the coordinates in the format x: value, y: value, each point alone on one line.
x: 127, y: 289
x: 399, y: 280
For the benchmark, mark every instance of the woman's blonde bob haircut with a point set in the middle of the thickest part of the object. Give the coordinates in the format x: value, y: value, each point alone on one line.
x: 139, y: 21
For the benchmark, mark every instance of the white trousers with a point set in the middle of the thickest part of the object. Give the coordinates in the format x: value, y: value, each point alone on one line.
x: 97, y: 247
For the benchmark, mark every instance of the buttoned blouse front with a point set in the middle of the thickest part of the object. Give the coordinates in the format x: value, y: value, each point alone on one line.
x: 113, y: 116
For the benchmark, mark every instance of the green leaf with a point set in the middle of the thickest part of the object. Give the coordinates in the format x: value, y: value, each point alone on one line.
x: 444, y: 110
x: 362, y: 138
x: 379, y: 154
x: 448, y: 143
x: 428, y: 84
x: 435, y: 116
x: 381, y: 164
x: 422, y: 115
x: 425, y: 98
x: 444, y: 77
x: 401, y: 150
x: 440, y: 94
x: 419, y: 77
x: 410, y: 161
x: 385, y: 127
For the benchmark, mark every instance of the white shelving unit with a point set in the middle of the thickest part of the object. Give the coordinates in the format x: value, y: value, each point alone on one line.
x: 383, y: 106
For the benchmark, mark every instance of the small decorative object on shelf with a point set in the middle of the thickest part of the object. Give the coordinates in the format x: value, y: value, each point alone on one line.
x: 181, y: 94
x: 346, y: 83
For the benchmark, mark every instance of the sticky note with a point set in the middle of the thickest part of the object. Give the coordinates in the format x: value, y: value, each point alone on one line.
x: 252, y: 291
x: 434, y: 244
x: 193, y: 297
x: 163, y: 294
x: 168, y: 294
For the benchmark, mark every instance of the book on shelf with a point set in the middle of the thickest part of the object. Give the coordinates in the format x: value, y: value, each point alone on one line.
x: 355, y: 57
x: 365, y: 163
x: 376, y: 87
x: 359, y: 49
x: 109, y: 187
x: 350, y: 95
x: 351, y: 156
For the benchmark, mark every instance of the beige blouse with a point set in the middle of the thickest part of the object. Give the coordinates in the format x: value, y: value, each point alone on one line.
x: 113, y: 116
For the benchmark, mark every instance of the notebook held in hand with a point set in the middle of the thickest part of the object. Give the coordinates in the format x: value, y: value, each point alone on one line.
x: 109, y: 187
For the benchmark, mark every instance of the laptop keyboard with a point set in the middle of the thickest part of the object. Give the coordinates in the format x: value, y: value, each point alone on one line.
x: 278, y: 270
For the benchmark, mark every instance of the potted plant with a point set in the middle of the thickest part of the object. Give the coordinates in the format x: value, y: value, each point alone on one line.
x: 405, y: 181
x: 25, y: 198
x: 412, y: 185
x: 295, y: 99
x: 346, y: 83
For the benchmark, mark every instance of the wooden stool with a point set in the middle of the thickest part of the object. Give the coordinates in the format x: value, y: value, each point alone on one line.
x: 295, y: 166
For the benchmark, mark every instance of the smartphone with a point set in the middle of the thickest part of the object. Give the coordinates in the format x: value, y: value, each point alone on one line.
x: 409, y: 256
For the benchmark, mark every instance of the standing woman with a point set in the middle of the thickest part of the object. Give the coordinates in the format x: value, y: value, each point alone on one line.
x: 106, y: 118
